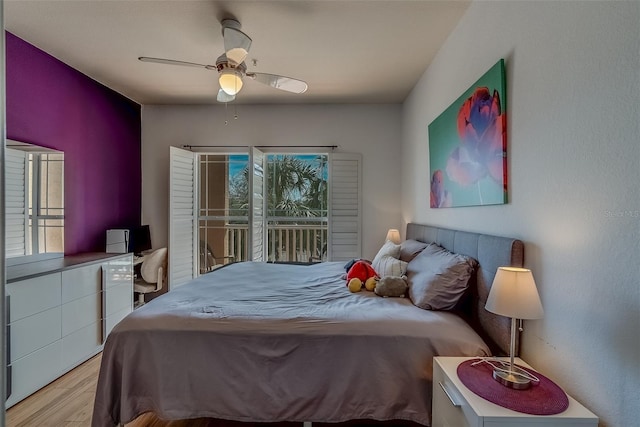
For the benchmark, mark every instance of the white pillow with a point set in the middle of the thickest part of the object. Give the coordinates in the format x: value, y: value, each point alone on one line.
x: 387, y: 266
x: 386, y: 262
x: 389, y: 248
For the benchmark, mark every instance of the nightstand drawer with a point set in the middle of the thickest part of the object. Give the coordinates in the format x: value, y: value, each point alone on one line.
x: 450, y: 409
x: 448, y: 414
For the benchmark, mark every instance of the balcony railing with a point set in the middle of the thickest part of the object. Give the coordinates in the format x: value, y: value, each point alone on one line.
x: 296, y: 243
x: 285, y: 243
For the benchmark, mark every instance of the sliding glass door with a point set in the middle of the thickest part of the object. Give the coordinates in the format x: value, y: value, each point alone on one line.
x: 274, y: 207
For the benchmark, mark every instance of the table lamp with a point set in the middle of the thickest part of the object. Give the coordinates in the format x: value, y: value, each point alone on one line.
x: 514, y: 294
x: 393, y: 235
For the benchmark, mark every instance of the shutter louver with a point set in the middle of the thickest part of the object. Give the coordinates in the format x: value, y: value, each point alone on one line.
x: 345, y: 206
x: 182, y: 216
x: 15, y: 203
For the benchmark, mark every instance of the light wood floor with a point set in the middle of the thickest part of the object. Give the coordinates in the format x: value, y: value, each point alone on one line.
x: 68, y: 402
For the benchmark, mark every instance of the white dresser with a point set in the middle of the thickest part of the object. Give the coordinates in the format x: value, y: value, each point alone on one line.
x: 59, y: 313
x: 454, y: 405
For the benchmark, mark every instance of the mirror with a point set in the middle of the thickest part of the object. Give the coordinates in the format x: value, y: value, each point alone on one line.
x: 34, y: 201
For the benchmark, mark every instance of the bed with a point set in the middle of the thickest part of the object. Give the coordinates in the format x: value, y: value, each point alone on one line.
x: 257, y: 342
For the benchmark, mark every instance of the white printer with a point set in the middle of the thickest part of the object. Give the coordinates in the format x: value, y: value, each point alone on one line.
x: 118, y: 241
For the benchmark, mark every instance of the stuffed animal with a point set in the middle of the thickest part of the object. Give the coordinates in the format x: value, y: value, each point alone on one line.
x: 392, y: 286
x: 361, y: 270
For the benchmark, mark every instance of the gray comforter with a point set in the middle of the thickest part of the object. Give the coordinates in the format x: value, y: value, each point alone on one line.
x: 271, y: 342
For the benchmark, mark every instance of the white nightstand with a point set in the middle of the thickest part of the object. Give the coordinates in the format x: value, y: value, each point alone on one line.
x: 454, y: 405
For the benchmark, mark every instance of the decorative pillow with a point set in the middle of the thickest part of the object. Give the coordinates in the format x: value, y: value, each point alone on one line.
x: 410, y: 248
x: 389, y: 248
x: 438, y: 278
x: 389, y: 266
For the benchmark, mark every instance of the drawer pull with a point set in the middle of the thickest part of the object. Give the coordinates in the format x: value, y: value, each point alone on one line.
x: 103, y: 305
x: 446, y: 392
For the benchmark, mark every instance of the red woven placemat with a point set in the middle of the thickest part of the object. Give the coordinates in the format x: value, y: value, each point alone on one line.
x: 543, y: 398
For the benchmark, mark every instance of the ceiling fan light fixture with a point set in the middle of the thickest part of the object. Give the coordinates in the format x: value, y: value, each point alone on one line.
x: 230, y: 81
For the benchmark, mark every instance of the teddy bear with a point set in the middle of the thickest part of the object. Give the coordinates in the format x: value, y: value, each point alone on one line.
x: 392, y: 286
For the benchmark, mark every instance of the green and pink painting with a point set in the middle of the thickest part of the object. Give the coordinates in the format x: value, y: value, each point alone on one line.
x: 468, y: 146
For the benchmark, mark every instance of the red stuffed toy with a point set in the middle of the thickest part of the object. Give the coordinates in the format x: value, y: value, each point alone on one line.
x: 360, y: 270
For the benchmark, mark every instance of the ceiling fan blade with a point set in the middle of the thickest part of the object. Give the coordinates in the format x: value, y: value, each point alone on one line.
x: 236, y: 43
x: 224, y: 96
x: 174, y: 62
x: 280, y: 82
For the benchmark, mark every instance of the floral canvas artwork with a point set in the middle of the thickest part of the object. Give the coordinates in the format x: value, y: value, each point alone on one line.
x: 468, y: 146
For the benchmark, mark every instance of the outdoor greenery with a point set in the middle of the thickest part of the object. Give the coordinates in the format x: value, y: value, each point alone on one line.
x: 296, y: 194
x: 296, y: 187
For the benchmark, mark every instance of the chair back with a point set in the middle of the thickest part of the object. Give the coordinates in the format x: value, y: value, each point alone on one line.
x: 154, y: 264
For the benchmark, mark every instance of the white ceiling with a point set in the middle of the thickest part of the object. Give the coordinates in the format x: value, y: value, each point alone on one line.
x: 347, y: 51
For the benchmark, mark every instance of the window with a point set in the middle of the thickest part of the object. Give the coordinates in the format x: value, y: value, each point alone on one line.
x: 34, y: 200
x: 46, y: 202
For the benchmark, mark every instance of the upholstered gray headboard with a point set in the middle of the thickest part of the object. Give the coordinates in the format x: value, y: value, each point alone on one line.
x: 491, y: 252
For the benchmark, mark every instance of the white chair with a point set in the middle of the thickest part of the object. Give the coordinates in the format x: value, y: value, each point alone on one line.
x: 154, y: 274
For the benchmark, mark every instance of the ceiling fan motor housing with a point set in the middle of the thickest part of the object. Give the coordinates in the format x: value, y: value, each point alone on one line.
x: 222, y: 64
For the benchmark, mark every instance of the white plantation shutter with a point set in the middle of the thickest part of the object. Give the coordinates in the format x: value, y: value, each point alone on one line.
x: 257, y: 205
x: 15, y: 203
x: 182, y: 217
x: 345, y: 206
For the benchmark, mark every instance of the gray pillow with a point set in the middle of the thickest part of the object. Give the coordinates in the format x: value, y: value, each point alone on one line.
x: 410, y: 248
x: 437, y: 278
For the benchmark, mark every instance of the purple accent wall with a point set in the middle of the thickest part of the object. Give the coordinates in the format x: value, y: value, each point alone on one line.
x: 53, y: 105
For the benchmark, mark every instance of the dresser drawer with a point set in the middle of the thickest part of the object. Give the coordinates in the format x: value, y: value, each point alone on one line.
x: 81, y: 344
x: 31, y: 296
x: 34, y: 332
x: 115, y: 318
x: 80, y: 313
x: 80, y: 282
x: 34, y: 371
x: 118, y: 298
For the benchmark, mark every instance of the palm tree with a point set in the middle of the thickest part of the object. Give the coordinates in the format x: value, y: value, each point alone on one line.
x: 290, y: 182
x: 296, y: 188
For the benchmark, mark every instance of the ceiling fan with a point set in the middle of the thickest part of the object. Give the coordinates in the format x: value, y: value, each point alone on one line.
x: 231, y: 67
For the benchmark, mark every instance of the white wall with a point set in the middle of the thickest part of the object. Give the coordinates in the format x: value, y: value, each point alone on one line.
x: 574, y: 160
x: 373, y: 130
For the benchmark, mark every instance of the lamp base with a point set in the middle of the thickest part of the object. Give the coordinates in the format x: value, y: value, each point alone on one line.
x: 512, y: 379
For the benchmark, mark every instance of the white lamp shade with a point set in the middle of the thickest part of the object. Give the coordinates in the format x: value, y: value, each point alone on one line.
x: 393, y: 235
x: 230, y: 81
x: 514, y: 294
